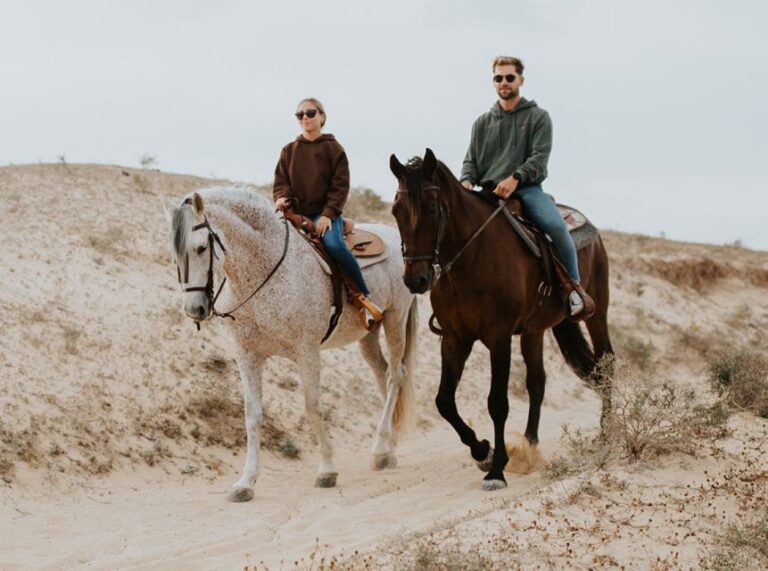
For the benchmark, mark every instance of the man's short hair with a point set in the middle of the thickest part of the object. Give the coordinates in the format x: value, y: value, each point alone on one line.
x: 509, y: 60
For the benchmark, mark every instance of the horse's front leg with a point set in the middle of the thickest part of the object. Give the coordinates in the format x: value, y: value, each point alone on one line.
x: 498, y: 407
x: 454, y: 355
x: 250, y: 377
x: 309, y: 365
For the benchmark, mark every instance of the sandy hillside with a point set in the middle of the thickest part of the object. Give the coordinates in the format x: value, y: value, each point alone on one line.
x: 121, y: 429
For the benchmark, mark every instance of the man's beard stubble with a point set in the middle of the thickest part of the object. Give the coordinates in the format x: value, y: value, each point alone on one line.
x: 511, y: 93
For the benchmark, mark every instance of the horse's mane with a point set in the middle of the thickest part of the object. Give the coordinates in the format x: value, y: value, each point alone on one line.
x: 240, y: 200
x: 445, y: 179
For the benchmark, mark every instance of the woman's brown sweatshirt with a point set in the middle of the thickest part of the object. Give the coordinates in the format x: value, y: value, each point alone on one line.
x: 315, y: 174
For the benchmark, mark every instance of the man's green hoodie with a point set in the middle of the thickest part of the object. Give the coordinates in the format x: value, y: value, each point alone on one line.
x: 507, y: 142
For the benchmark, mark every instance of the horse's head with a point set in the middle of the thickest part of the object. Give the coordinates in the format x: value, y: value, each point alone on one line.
x: 421, y: 213
x: 199, y: 255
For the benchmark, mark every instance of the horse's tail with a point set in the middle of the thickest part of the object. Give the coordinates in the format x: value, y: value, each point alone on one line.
x: 404, y: 407
x: 575, y: 349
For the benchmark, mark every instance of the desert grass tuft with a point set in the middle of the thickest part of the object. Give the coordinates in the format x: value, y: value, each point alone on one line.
x: 741, y: 377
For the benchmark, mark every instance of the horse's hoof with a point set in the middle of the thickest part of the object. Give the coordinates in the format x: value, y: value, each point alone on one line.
x: 493, y: 485
x: 485, y: 465
x: 382, y: 461
x: 240, y: 495
x: 326, y: 480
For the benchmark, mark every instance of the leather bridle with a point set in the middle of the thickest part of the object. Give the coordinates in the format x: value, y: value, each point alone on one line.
x: 213, y: 239
x: 438, y: 269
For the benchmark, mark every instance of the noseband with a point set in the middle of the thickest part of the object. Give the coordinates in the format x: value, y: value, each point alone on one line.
x: 213, y: 238
x: 439, y: 269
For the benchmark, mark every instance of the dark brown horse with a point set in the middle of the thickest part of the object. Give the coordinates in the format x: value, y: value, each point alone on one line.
x: 489, y: 293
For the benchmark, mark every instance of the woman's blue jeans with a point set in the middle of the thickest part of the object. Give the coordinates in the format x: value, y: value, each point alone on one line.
x: 333, y: 240
x: 539, y: 208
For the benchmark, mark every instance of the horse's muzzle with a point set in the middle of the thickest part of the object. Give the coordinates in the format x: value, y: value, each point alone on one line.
x: 420, y: 282
x: 198, y: 312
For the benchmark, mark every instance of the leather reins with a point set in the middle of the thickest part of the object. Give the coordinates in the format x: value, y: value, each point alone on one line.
x: 439, y: 269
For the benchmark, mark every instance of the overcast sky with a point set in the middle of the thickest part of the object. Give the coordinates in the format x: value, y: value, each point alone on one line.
x: 659, y: 106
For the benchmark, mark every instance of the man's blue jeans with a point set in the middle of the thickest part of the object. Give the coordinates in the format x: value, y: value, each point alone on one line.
x: 539, y: 208
x: 333, y: 240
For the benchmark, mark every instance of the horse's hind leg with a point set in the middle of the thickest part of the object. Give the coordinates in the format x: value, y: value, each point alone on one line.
x: 454, y: 356
x: 597, y: 326
x: 383, y: 445
x: 370, y: 349
x: 309, y: 364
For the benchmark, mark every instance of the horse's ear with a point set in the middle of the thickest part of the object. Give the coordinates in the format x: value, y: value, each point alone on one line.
x: 197, y: 204
x: 168, y: 208
x: 396, y: 166
x: 429, y: 164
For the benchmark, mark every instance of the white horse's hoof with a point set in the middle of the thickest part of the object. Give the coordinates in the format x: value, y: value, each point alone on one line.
x: 485, y: 465
x: 382, y: 461
x: 493, y: 485
x: 327, y: 480
x: 240, y: 495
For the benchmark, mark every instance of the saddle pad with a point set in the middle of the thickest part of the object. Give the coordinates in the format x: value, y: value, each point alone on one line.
x: 363, y: 244
x: 365, y: 260
x: 581, y: 229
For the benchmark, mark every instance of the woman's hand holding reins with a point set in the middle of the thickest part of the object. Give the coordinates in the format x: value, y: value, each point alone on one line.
x: 322, y: 226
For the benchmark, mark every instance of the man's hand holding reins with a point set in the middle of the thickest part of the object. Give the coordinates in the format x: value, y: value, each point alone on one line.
x: 506, y: 187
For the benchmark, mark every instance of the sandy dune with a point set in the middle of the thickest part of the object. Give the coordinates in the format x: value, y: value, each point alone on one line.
x: 121, y: 429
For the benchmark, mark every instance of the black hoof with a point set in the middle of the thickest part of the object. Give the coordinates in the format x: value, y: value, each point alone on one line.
x: 485, y: 465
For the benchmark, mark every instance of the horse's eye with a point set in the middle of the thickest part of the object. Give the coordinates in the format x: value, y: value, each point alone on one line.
x: 200, y: 250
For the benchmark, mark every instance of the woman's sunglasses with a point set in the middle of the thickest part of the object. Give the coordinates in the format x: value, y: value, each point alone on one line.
x: 510, y: 78
x: 309, y: 113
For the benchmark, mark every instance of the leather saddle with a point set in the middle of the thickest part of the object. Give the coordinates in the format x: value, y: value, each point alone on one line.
x: 364, y: 245
x: 581, y: 229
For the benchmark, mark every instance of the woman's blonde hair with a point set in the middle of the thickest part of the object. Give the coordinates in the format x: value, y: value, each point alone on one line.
x: 317, y: 104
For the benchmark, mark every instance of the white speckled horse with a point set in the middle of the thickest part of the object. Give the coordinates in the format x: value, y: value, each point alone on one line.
x: 232, y: 235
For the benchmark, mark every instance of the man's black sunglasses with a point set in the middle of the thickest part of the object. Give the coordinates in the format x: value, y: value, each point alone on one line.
x: 509, y: 77
x: 309, y: 113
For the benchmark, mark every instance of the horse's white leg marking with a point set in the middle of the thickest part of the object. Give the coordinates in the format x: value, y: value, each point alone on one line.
x: 309, y: 365
x: 250, y: 377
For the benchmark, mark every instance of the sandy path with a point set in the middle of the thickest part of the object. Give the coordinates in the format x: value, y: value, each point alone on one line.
x: 149, y: 521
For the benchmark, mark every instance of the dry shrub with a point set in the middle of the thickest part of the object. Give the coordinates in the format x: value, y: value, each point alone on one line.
x: 364, y: 205
x: 109, y: 242
x: 648, y: 418
x: 694, y: 338
x: 633, y: 349
x: 217, y: 413
x: 690, y: 272
x: 289, y: 448
x: 651, y: 417
x: 700, y: 273
x: 741, y: 377
x: 742, y: 546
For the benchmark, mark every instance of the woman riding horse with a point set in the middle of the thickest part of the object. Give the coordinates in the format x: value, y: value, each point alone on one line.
x: 312, y: 178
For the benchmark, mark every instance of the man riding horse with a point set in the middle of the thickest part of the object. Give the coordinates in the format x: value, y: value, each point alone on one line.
x: 510, y: 145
